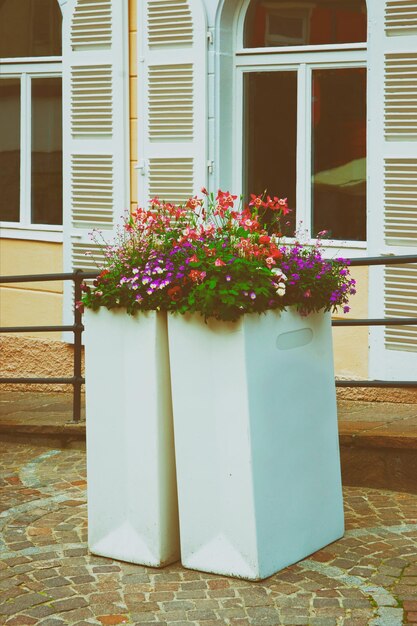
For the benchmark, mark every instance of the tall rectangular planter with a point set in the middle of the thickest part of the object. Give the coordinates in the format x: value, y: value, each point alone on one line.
x: 256, y: 439
x: 132, y: 497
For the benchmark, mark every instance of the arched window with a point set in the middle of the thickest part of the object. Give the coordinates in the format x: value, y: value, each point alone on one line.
x: 278, y: 23
x: 302, y: 69
x: 30, y: 116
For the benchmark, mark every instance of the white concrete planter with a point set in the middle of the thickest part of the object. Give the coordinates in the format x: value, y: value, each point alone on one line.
x: 256, y: 441
x: 132, y: 497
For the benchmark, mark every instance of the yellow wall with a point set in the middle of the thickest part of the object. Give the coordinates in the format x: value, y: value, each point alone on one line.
x: 23, y: 304
x: 351, y: 344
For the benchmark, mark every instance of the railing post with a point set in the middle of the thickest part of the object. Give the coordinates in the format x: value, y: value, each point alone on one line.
x: 78, y: 329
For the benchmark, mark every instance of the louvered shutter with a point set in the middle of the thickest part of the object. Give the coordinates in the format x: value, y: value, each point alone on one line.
x: 96, y: 157
x: 392, y: 149
x: 172, y: 100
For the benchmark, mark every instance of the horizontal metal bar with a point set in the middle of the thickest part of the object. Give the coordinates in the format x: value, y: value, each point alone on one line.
x: 376, y: 260
x: 394, y: 321
x: 384, y: 260
x: 28, y: 278
x: 35, y: 329
x: 36, y: 381
x: 376, y: 383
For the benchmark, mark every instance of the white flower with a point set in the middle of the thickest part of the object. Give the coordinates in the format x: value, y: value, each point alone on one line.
x: 279, y: 275
x: 281, y: 289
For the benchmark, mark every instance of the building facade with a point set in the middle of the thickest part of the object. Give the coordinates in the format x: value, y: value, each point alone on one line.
x: 315, y: 100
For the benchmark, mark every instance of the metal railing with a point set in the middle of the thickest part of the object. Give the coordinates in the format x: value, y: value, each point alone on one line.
x: 77, y: 380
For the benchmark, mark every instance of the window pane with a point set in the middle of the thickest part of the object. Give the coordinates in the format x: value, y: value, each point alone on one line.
x: 271, y: 136
x: 304, y: 22
x: 339, y: 153
x: 30, y: 28
x: 46, y: 151
x: 9, y: 149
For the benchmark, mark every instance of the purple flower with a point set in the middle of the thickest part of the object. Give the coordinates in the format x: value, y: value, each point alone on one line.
x: 346, y: 309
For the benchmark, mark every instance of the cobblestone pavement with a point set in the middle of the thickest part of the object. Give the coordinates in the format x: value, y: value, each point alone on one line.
x: 47, y: 576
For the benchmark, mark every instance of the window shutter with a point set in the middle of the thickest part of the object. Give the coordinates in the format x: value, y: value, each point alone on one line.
x: 96, y: 158
x: 172, y: 101
x: 392, y: 149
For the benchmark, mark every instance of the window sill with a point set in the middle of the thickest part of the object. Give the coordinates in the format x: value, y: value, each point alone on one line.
x: 333, y: 248
x: 52, y: 234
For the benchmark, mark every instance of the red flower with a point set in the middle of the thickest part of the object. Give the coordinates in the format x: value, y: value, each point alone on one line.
x: 225, y: 199
x: 196, y: 275
x: 174, y: 293
x: 256, y: 201
x: 275, y: 253
x: 264, y: 239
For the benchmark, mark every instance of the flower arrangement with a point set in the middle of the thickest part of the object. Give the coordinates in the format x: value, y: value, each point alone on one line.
x: 211, y: 257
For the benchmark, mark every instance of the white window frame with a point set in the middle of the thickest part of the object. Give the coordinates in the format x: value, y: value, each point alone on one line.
x: 26, y: 69
x: 303, y: 59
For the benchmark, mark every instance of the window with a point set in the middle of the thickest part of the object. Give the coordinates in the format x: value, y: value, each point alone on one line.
x: 302, y: 72
x: 30, y: 115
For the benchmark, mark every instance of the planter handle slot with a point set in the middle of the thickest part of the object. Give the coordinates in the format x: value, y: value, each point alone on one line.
x: 294, y: 339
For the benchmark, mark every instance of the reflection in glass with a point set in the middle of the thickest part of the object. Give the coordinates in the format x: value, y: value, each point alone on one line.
x: 271, y: 23
x: 46, y: 151
x: 30, y: 28
x: 271, y: 137
x: 339, y: 153
x: 9, y: 149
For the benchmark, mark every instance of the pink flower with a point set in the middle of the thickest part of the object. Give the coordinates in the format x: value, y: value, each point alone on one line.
x: 218, y: 262
x: 193, y: 203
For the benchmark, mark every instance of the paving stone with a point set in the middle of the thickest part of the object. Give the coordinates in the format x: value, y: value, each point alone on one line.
x: 59, y: 581
x: 113, y: 619
x: 263, y: 615
x: 191, y: 595
x: 21, y: 603
x: 21, y: 620
x: 353, y: 582
x: 42, y: 610
x: 201, y: 615
x: 69, y: 604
